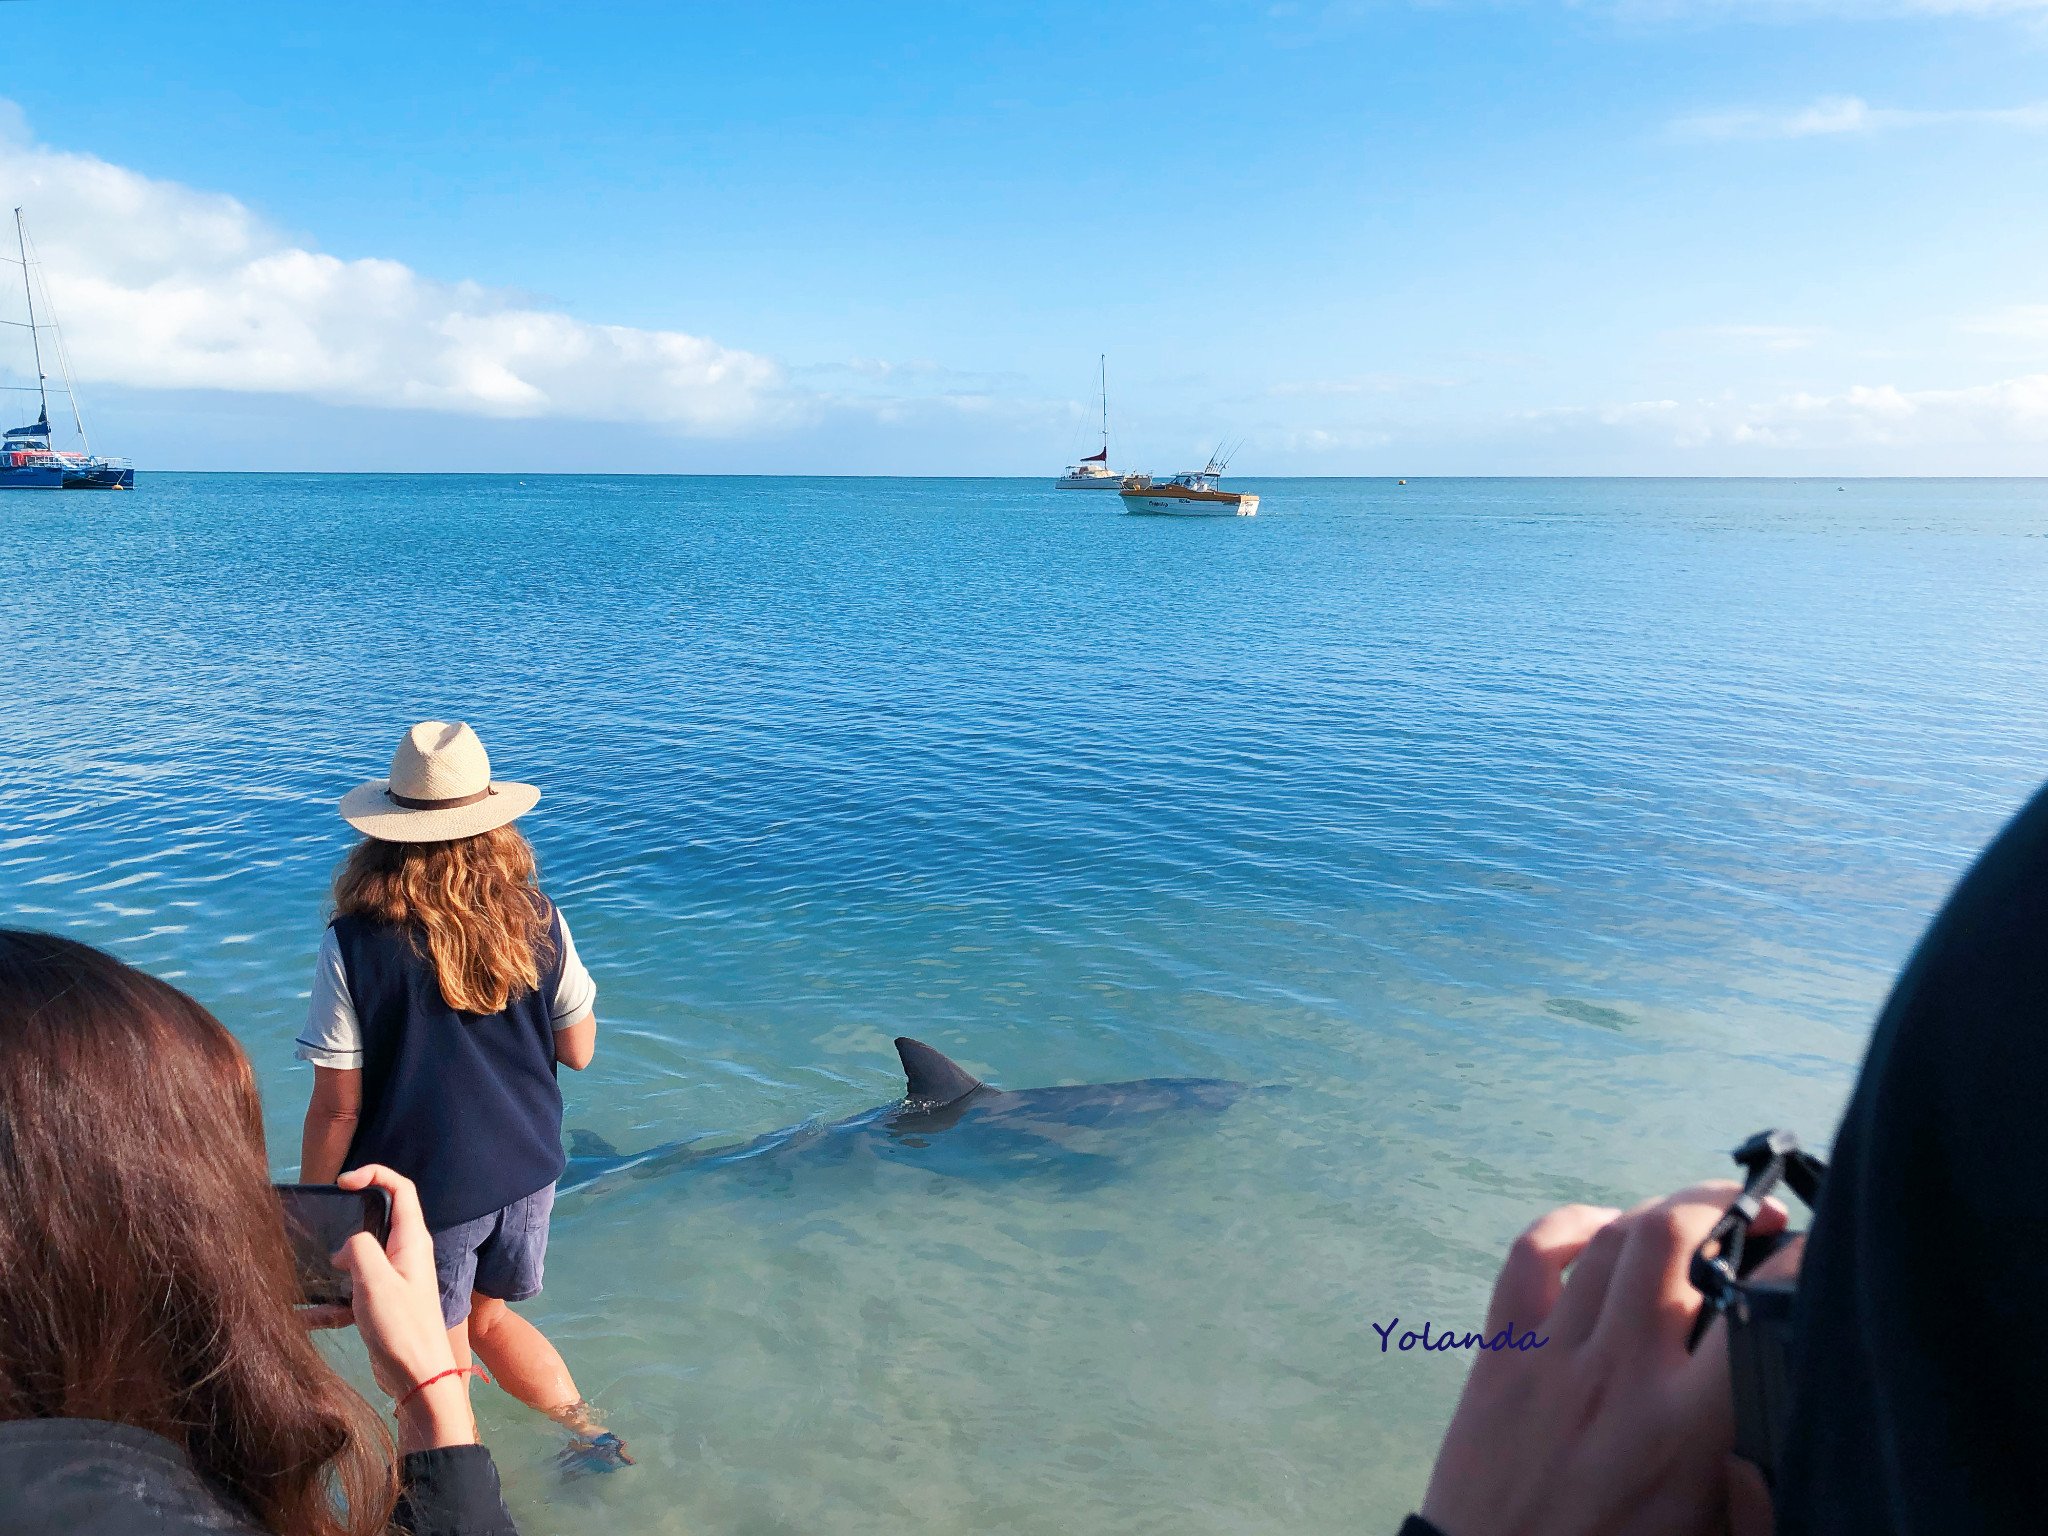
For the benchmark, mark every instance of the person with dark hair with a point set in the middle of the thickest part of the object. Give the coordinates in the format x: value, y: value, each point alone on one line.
x: 1918, y: 1355
x: 447, y: 992
x: 153, y: 1373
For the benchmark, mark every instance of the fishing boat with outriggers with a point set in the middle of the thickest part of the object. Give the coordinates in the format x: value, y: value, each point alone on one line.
x: 1194, y: 494
x: 1093, y: 473
x: 28, y: 459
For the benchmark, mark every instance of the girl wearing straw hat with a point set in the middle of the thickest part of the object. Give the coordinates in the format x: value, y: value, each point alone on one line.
x: 446, y: 993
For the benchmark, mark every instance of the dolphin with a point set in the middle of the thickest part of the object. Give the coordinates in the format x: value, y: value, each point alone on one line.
x: 948, y: 1119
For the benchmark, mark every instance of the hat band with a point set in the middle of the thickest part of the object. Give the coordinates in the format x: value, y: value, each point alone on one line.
x: 437, y: 805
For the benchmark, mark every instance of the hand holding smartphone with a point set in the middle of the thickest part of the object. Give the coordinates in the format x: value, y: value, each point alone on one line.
x: 322, y: 1217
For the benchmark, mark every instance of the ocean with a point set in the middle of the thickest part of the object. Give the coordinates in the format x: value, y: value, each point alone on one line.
x: 1532, y: 841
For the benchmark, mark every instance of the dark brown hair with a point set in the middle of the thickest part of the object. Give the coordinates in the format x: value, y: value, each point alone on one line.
x: 473, y: 899
x: 145, y: 1274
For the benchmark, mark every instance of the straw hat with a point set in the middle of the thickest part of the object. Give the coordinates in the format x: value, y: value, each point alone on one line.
x: 440, y: 789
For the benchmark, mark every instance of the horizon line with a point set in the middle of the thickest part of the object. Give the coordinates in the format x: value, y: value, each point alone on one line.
x: 695, y: 474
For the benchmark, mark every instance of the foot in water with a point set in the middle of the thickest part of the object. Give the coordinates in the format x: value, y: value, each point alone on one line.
x: 602, y: 1452
x: 592, y: 1448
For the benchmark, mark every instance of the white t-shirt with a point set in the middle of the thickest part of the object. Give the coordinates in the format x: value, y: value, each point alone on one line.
x: 333, y: 1038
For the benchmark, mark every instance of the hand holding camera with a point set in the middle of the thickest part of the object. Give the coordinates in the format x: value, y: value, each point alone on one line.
x: 1612, y: 1425
x: 395, y: 1305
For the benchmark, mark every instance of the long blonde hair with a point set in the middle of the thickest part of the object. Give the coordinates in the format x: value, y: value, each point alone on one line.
x: 475, y: 901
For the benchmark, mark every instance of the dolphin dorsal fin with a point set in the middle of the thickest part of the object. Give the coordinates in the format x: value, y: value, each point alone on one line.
x: 932, y: 1079
x: 590, y: 1144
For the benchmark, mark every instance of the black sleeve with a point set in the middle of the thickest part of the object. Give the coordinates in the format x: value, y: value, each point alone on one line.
x: 1922, y: 1310
x: 1415, y: 1525
x: 451, y: 1491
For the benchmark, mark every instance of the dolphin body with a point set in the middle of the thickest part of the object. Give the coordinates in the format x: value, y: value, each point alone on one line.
x: 948, y: 1120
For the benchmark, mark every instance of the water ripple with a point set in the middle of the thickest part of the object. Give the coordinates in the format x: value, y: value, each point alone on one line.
x: 1544, y: 837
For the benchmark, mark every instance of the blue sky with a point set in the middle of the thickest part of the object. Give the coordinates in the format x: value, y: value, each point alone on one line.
x: 1655, y: 236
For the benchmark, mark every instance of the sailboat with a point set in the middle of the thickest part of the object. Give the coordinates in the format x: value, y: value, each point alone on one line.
x: 27, y: 461
x: 1093, y: 473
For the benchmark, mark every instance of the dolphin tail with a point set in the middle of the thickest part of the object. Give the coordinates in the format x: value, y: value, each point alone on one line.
x: 931, y: 1078
x: 590, y: 1144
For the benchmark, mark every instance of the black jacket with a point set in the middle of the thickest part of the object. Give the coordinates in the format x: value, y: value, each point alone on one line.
x: 1921, y: 1357
x: 1918, y: 1375
x: 82, y: 1477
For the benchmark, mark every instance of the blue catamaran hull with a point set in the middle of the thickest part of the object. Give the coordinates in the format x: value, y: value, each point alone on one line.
x: 100, y: 477
x: 31, y: 477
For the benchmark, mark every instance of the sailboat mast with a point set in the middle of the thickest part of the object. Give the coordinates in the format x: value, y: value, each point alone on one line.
x: 34, y: 335
x: 1103, y: 360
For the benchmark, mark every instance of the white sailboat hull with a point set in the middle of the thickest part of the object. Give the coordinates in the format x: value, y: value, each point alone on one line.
x: 1088, y: 482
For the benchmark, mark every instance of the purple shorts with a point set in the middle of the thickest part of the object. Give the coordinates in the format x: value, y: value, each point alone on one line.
x: 500, y: 1255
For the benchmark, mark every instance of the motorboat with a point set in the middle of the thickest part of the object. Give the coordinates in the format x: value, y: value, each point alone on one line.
x: 28, y: 461
x: 1093, y: 473
x: 1194, y: 494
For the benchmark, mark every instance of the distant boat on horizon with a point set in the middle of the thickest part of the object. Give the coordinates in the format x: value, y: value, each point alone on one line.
x: 27, y: 461
x: 1093, y: 473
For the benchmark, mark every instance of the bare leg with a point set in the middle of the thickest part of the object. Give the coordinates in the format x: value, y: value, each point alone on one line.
x: 523, y: 1362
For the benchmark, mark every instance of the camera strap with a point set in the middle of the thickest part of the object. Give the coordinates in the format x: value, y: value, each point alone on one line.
x: 1768, y: 1159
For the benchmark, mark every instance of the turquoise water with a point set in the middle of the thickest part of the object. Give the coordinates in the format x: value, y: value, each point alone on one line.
x: 1540, y: 838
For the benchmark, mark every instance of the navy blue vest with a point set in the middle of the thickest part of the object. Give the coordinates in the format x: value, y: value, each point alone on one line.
x: 463, y: 1104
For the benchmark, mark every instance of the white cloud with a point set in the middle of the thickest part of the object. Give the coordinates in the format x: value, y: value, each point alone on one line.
x: 865, y: 379
x: 1799, y: 10
x: 1318, y: 441
x: 160, y: 286
x: 1881, y: 416
x: 1771, y: 338
x: 1948, y: 7
x: 2029, y: 322
x: 1831, y: 115
x: 1361, y: 384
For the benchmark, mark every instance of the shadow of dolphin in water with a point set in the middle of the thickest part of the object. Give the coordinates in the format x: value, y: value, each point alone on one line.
x: 948, y: 1120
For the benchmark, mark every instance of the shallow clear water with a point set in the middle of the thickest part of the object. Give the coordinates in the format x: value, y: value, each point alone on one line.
x: 1540, y: 838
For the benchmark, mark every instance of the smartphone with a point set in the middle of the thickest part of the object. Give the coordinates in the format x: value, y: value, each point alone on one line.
x: 320, y: 1218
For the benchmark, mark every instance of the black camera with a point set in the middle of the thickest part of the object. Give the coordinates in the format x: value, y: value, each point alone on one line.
x: 1759, y: 1312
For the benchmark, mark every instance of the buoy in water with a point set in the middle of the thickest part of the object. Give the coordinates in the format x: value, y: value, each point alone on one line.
x: 1400, y: 482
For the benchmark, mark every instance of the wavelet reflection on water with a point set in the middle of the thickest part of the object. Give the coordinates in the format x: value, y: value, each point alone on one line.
x: 1542, y: 838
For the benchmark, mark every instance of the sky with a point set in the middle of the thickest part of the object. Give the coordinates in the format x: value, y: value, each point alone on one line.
x: 1397, y: 237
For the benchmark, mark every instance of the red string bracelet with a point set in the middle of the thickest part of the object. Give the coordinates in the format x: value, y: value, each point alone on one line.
x: 453, y: 1370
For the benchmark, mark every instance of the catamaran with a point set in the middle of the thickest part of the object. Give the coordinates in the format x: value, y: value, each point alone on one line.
x: 27, y: 461
x: 1093, y: 473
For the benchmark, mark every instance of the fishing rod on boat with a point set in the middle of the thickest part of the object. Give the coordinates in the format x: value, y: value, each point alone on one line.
x: 1225, y: 452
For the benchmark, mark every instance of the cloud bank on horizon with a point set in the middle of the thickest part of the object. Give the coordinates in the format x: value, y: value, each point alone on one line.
x: 1862, y: 416
x: 1850, y: 114
x: 163, y: 287
x: 159, y: 286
